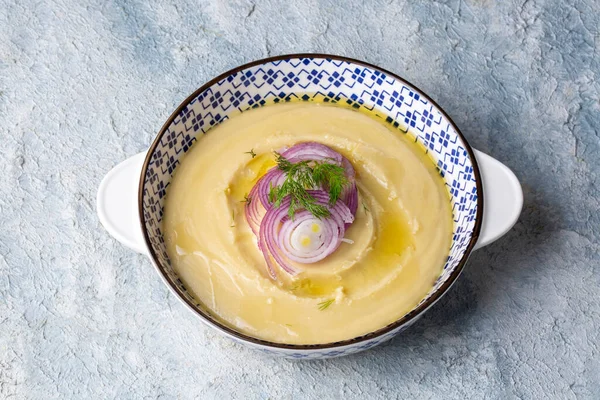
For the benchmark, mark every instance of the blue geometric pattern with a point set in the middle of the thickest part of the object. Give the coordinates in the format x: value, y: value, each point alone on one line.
x: 329, y: 80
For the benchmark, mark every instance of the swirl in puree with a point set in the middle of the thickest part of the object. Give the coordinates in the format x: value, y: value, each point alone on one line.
x: 307, y: 223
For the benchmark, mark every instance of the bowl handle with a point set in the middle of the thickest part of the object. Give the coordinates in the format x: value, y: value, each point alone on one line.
x: 118, y: 210
x: 117, y: 203
x: 503, y: 199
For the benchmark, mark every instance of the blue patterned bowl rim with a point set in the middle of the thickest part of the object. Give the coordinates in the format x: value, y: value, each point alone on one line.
x: 407, y: 319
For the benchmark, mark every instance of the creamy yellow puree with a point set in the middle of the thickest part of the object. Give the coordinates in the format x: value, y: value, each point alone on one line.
x: 401, y: 235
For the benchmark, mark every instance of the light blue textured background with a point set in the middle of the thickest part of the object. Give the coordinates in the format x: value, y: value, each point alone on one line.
x: 85, y: 84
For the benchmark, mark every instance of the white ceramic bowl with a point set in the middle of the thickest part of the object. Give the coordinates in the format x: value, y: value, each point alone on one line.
x: 131, y: 196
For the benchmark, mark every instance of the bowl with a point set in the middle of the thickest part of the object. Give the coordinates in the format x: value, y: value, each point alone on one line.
x: 131, y: 196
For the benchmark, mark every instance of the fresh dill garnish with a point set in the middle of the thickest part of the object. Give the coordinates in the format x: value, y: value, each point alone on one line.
x: 303, y: 176
x: 246, y: 200
x: 232, y: 219
x: 251, y: 152
x: 365, y: 207
x: 272, y: 192
x: 324, y: 304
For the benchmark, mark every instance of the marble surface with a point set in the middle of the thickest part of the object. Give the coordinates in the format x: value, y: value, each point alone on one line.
x: 85, y: 84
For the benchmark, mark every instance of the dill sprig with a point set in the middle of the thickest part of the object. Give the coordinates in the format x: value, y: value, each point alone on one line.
x: 251, y: 152
x: 272, y: 192
x: 324, y: 304
x: 303, y: 176
x: 247, y: 199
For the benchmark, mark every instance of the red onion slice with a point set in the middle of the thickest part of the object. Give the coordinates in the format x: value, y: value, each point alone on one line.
x: 318, y: 152
x: 348, y: 168
x: 262, y: 246
x: 274, y: 177
x: 305, y: 238
x: 267, y: 235
x: 299, y: 241
x: 289, y: 239
x: 311, y: 151
x: 350, y: 198
x: 253, y: 214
